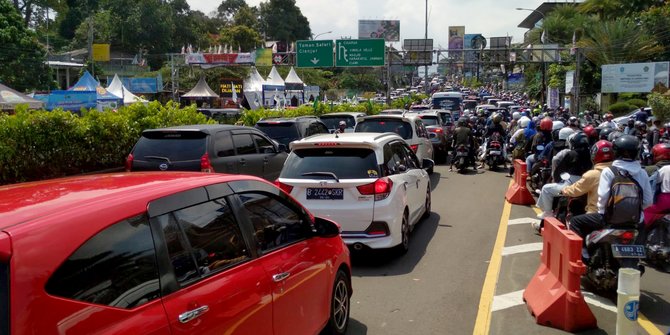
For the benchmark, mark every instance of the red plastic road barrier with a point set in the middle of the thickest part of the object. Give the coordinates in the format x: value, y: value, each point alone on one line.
x: 518, y: 193
x: 553, y: 295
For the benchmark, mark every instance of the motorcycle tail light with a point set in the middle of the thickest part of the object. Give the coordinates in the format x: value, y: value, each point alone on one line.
x: 627, y: 237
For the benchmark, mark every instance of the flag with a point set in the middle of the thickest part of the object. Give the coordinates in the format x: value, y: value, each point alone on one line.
x: 274, y: 48
x: 189, y: 49
x: 573, y: 50
x: 183, y: 49
x: 234, y: 92
x: 544, y: 37
x: 239, y: 49
x: 284, y: 101
x: 316, y: 103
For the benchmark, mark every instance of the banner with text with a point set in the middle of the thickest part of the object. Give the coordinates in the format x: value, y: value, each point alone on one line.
x: 389, y: 30
x: 456, y: 42
x: 634, y: 78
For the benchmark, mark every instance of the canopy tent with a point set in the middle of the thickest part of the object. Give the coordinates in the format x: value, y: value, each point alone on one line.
x: 10, y: 98
x: 116, y: 87
x: 253, y: 87
x: 295, y: 88
x: 200, y: 91
x: 88, y: 83
x: 274, y: 79
x: 274, y: 89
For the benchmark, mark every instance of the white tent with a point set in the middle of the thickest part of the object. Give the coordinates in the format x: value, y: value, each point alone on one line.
x: 253, y: 89
x: 295, y: 88
x: 293, y: 78
x: 116, y: 87
x: 274, y: 79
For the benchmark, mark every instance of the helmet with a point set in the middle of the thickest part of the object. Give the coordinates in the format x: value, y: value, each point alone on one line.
x: 640, y: 124
x: 523, y: 122
x: 630, y: 122
x: 497, y: 118
x: 474, y: 119
x: 557, y: 125
x: 661, y: 152
x: 565, y: 132
x: 462, y: 121
x: 578, y: 140
x: 590, y: 131
x: 516, y: 116
x: 626, y: 147
x: 546, y: 124
x: 609, y: 116
x: 536, y: 119
x: 602, y: 152
x: 343, y: 123
x: 573, y: 121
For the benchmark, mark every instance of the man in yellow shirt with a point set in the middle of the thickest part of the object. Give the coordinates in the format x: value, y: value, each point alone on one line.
x: 602, y: 155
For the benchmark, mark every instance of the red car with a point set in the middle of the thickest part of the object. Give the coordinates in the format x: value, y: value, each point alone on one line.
x: 167, y: 253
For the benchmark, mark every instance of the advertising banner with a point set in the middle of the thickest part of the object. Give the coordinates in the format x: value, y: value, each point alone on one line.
x: 389, y: 30
x: 143, y: 85
x: 264, y: 57
x: 456, y: 42
x: 101, y: 52
x: 634, y: 78
x: 72, y: 100
x: 499, y: 48
x: 515, y: 81
x: 221, y: 59
x: 569, y: 81
x: 553, y: 99
x: 226, y: 87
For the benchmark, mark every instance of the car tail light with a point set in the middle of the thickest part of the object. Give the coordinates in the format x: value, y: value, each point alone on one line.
x: 414, y: 147
x: 129, y: 162
x: 326, y: 144
x: 284, y: 187
x: 205, y: 164
x: 378, y: 229
x: 381, y: 188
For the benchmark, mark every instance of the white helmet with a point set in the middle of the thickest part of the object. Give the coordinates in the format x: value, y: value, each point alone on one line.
x: 516, y: 116
x: 524, y: 121
x: 565, y: 132
x: 557, y: 125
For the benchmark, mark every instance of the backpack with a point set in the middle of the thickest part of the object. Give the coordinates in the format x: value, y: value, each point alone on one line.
x: 625, y: 202
x: 519, y: 151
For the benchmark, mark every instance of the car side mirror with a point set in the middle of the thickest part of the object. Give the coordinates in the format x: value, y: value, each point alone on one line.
x: 326, y: 228
x: 428, y: 164
x: 282, y: 147
x: 269, y: 150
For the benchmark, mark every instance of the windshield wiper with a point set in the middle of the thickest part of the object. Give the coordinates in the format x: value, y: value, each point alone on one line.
x: 158, y: 157
x: 329, y: 174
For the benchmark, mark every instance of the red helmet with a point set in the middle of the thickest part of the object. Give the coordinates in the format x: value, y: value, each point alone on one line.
x: 602, y: 151
x: 590, y: 131
x: 546, y: 124
x: 661, y: 152
x: 609, y: 116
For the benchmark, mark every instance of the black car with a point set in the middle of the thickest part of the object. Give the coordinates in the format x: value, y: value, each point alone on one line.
x: 208, y: 148
x: 287, y: 130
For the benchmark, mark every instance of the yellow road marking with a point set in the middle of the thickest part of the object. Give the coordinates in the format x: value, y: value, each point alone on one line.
x: 483, y: 322
x: 536, y: 209
x: 649, y: 326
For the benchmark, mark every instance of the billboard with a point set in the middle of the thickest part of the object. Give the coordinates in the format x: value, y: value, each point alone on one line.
x: 100, y: 52
x: 226, y: 87
x: 634, y: 78
x: 389, y: 30
x: 71, y: 100
x: 456, y: 42
x: 419, y: 52
x: 499, y: 47
x: 569, y: 81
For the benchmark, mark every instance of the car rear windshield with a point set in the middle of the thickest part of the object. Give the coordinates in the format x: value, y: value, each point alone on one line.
x: 345, y: 163
x: 4, y: 298
x: 333, y: 121
x: 400, y: 127
x: 282, y: 132
x: 175, y: 146
x: 429, y: 120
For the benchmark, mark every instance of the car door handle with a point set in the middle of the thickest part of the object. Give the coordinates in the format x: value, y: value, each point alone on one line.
x: 280, y: 276
x: 192, y: 314
x: 243, y: 161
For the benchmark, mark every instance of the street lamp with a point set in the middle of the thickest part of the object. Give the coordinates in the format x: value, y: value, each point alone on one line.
x: 532, y: 10
x: 317, y: 35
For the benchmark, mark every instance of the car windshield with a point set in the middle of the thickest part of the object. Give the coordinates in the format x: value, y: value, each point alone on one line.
x: 345, y: 163
x: 430, y: 120
x: 282, y: 132
x: 333, y: 121
x: 175, y: 146
x: 449, y: 104
x: 400, y: 127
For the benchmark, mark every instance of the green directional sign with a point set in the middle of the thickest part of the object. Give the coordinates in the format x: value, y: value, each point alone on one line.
x: 351, y: 53
x: 314, y: 54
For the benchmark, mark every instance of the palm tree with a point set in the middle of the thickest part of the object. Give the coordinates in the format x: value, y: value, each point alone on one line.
x: 619, y: 41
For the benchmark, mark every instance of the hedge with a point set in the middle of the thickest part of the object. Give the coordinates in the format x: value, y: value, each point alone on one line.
x: 621, y: 108
x: 639, y: 103
x: 37, y: 145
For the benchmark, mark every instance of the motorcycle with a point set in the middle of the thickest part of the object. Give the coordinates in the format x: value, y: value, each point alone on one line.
x: 606, y: 251
x: 494, y: 153
x: 462, y: 158
x: 657, y: 244
x: 540, y: 174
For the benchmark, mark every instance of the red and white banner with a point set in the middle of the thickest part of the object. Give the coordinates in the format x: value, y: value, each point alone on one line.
x: 221, y: 59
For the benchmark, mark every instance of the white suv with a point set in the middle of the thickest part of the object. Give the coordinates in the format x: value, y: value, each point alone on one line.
x: 371, y: 183
x: 409, y: 127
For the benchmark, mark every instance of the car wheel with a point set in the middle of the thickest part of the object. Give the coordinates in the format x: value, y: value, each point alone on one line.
x: 339, y: 306
x: 403, y: 247
x: 427, y: 205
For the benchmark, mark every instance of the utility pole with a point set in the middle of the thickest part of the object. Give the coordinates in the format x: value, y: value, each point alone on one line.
x: 90, y: 46
x: 576, y: 80
x: 388, y: 75
x: 425, y: 68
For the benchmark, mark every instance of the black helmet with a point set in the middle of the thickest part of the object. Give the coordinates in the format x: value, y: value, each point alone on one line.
x: 462, y: 121
x: 626, y: 147
x: 578, y: 140
x: 605, y: 133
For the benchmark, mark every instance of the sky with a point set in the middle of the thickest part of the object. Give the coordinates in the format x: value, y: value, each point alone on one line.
x: 491, y: 18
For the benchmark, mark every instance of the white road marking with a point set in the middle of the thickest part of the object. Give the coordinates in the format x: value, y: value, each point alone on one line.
x: 522, y: 221
x: 513, y: 299
x: 517, y: 249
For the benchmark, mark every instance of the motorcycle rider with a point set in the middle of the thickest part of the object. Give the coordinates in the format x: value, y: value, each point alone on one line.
x: 520, y: 141
x: 659, y: 177
x: 542, y: 138
x: 602, y: 155
x: 654, y: 133
x: 626, y: 150
x: 609, y: 123
x: 630, y: 127
x: 575, y: 160
x: 462, y: 136
x: 592, y: 134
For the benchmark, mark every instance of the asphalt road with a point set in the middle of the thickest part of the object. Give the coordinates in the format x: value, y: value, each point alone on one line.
x: 437, y: 286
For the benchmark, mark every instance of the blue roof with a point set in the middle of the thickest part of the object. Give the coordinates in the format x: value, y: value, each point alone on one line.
x: 88, y: 83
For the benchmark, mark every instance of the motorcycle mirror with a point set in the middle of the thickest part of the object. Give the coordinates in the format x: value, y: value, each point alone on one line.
x: 565, y: 176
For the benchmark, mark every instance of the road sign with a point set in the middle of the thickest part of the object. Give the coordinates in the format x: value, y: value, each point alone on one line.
x: 314, y: 53
x: 359, y: 52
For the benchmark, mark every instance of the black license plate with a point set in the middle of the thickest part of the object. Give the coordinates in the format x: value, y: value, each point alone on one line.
x: 628, y: 251
x: 322, y: 193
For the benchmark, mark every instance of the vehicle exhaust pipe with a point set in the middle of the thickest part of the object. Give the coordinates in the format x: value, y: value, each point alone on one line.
x: 358, y: 246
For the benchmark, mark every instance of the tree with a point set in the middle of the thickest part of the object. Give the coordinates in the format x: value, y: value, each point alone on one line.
x: 619, y: 41
x: 656, y: 21
x: 282, y: 20
x: 247, y: 16
x: 228, y: 8
x: 21, y: 56
x: 241, y: 36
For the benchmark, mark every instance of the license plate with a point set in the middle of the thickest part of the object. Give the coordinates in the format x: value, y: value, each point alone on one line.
x: 628, y: 251
x: 321, y: 193
x: 494, y: 152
